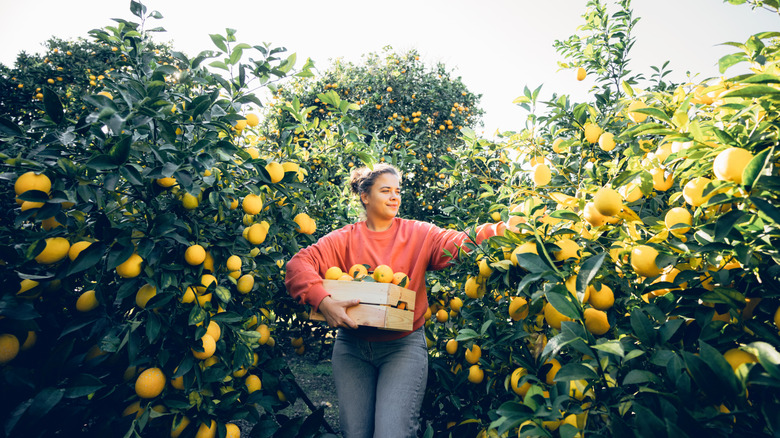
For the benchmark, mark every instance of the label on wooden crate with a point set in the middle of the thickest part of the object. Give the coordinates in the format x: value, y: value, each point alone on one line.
x: 383, y: 305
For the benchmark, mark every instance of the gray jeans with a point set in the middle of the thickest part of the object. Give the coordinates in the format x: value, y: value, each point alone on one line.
x: 380, y: 385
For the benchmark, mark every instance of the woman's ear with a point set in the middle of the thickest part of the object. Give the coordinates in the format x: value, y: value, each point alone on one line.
x: 364, y: 198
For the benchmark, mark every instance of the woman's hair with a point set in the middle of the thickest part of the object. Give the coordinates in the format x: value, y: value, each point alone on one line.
x: 362, y: 178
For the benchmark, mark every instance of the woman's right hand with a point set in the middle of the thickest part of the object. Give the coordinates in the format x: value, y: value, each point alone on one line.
x: 335, y: 312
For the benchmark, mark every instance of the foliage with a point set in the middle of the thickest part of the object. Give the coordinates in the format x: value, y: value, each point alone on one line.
x: 108, y: 147
x: 658, y: 367
x: 405, y: 114
x: 158, y: 151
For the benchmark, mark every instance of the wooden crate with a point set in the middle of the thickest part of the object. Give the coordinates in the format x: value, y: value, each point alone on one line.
x: 378, y: 303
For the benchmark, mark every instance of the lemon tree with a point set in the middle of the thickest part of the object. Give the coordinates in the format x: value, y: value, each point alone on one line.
x: 120, y: 312
x: 686, y: 332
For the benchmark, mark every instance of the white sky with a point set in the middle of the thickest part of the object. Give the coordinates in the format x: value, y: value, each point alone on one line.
x: 497, y: 47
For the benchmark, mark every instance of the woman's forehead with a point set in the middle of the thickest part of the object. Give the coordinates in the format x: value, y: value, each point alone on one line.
x: 386, y: 180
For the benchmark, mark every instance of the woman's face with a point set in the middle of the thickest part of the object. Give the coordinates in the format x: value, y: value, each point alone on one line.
x: 384, y: 198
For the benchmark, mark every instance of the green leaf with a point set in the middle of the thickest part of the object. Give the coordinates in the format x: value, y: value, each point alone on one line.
x: 752, y: 91
x: 637, y: 377
x: 137, y: 9
x: 120, y: 151
x: 720, y: 367
x: 10, y: 128
x: 726, y: 223
x: 768, y: 209
x: 87, y: 258
x: 219, y: 41
x: 197, y: 315
x: 563, y: 304
x: 642, y: 327
x: 703, y: 375
x: 53, y: 106
x: 223, y: 294
x: 613, y: 347
x: 219, y: 64
x: 727, y: 61
x: 466, y: 334
x: 753, y: 170
x: 532, y: 263
x: 588, y: 271
x: 101, y: 162
x: 118, y: 255
x: 654, y: 112
x: 566, y: 215
x: 575, y: 371
x: 44, y: 401
x: 82, y: 385
x: 767, y: 356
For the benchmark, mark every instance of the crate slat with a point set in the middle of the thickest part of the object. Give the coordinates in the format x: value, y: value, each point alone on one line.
x: 376, y: 300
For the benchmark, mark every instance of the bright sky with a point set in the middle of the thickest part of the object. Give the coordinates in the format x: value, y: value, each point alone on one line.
x: 496, y: 46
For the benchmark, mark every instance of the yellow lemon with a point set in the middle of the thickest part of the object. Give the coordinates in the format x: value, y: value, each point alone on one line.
x: 55, y: 250
x: 383, y: 274
x: 189, y: 202
x: 144, y: 294
x: 195, y: 255
x: 452, y: 347
x: 607, y: 141
x: 32, y: 181
x: 693, y: 191
x: 661, y: 181
x: 252, y: 204
x: 635, y: 116
x: 592, y: 132
x: 150, y: 383
x: 643, y: 261
x: 568, y: 249
x: 9, y: 348
x: 76, y: 249
x: 213, y: 330
x: 541, y: 175
x: 252, y: 120
x: 518, y: 308
x: 474, y: 354
x: 177, y: 431
x: 166, y: 182
x: 209, y: 347
x: 476, y: 375
x: 736, y: 357
x: 730, y: 163
x: 131, y: 267
x: 607, y: 201
x: 245, y: 283
x: 275, y: 171
x: 210, y: 430
x: 554, y: 367
x: 553, y: 317
x: 581, y: 74
x: 233, y: 263
x: 596, y: 321
x: 87, y: 301
x: 517, y: 374
x: 601, y: 299
x: 677, y: 216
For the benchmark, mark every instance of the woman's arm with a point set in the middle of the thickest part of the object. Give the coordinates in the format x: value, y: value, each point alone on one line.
x: 303, y: 279
x: 452, y: 240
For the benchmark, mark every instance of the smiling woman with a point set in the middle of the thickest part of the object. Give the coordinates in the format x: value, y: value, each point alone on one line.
x: 380, y: 376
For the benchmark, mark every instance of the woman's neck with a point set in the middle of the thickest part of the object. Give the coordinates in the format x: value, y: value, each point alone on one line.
x: 375, y: 224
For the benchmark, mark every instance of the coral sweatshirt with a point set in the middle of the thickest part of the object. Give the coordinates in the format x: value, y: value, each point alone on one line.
x: 409, y: 246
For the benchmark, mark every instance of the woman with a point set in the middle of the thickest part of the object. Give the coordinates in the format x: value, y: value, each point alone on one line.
x: 380, y: 375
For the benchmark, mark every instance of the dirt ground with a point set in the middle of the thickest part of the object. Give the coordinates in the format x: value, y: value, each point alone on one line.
x: 315, y: 377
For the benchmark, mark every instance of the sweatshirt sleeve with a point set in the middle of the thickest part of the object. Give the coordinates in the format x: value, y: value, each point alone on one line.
x: 306, y: 269
x: 451, y: 240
